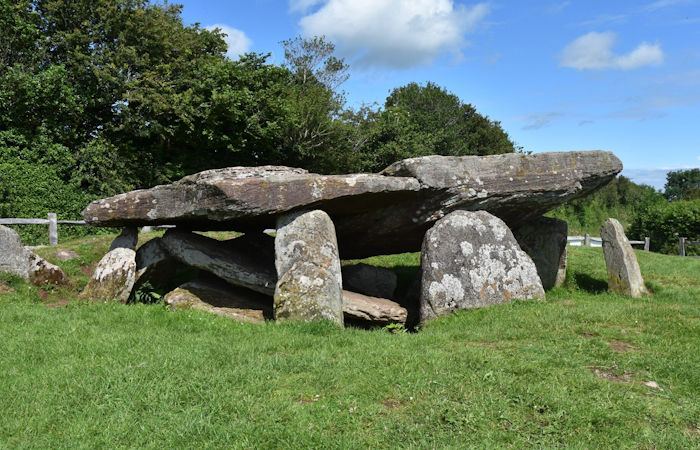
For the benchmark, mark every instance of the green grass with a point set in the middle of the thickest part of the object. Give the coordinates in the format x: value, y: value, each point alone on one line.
x: 567, y: 372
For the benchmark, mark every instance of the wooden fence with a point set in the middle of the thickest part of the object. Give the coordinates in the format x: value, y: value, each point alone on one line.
x: 51, y: 220
x: 684, y: 243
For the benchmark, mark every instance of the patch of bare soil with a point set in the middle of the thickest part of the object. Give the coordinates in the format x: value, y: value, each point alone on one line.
x: 5, y: 289
x: 58, y: 304
x: 88, y: 269
x: 565, y: 303
x: 391, y: 403
x: 693, y: 430
x: 609, y: 375
x: 622, y: 346
x: 306, y: 400
x: 588, y: 335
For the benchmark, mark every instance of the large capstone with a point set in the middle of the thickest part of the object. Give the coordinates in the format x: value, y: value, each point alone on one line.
x: 471, y: 260
x: 624, y: 276
x: 373, y: 213
x: 306, y: 258
x: 544, y: 240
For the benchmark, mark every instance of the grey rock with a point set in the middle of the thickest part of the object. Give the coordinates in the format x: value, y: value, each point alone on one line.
x: 624, y: 276
x: 372, y: 309
x: 17, y: 260
x: 307, y: 292
x: 369, y: 280
x: 42, y: 272
x: 151, y: 252
x: 373, y: 213
x: 128, y: 238
x: 219, y: 297
x: 306, y: 258
x: 66, y: 255
x: 544, y: 240
x: 238, y: 261
x: 471, y: 260
x: 14, y: 258
x: 113, y: 278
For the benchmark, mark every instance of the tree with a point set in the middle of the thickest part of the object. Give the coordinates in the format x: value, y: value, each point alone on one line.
x: 680, y: 182
x: 313, y: 137
x: 456, y: 126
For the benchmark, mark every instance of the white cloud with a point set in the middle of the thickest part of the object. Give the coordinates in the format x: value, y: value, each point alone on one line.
x: 393, y: 33
x: 237, y: 41
x: 593, y: 51
x: 665, y: 3
x: 302, y: 5
x: 535, y: 121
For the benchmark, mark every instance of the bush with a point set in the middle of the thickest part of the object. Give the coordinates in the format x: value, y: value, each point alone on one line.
x: 664, y: 223
x: 33, y: 190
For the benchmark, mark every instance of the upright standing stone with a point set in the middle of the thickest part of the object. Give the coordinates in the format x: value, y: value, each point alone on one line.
x: 624, y: 276
x: 306, y: 258
x: 115, y: 274
x: 14, y: 258
x: 17, y: 260
x: 544, y: 240
x: 471, y: 260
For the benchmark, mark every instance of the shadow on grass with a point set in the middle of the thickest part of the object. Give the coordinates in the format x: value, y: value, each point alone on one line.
x: 589, y: 284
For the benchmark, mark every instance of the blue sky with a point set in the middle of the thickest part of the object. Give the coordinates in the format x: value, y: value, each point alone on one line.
x: 620, y: 75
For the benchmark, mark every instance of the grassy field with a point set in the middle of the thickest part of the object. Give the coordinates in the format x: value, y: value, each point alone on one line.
x: 582, y: 369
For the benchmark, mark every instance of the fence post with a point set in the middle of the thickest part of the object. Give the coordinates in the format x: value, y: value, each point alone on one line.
x: 587, y: 240
x: 681, y: 246
x: 647, y: 242
x: 53, y: 229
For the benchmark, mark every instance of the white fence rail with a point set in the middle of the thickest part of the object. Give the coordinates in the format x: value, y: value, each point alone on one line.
x: 589, y: 241
x: 51, y: 220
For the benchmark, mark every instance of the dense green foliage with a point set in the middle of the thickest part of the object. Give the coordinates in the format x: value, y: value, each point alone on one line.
x: 682, y: 184
x: 666, y: 222
x: 566, y: 372
x: 621, y: 199
x: 105, y: 96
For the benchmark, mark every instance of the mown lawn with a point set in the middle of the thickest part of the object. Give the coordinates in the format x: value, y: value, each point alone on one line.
x: 570, y: 371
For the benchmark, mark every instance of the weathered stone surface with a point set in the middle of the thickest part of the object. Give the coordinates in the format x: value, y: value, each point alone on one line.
x: 66, y: 255
x: 470, y: 260
x: 369, y: 280
x: 221, y: 298
x: 373, y: 213
x: 544, y: 240
x: 14, y: 258
x: 128, y: 238
x: 113, y: 278
x: 151, y: 252
x: 42, y: 272
x: 624, y: 276
x: 241, y: 261
x: 372, y: 309
x: 17, y: 260
x: 307, y: 292
x: 306, y: 258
